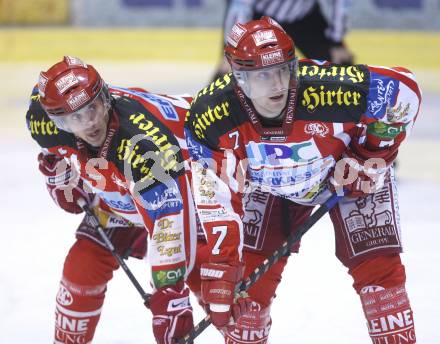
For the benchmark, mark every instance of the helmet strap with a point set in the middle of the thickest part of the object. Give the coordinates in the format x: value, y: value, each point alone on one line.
x: 272, y: 133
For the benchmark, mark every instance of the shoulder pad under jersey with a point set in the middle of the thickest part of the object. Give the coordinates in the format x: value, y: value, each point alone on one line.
x: 214, y: 111
x: 42, y: 129
x: 145, y: 144
x: 332, y: 93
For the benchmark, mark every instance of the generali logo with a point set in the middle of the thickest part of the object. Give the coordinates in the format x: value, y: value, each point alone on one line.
x: 271, y: 58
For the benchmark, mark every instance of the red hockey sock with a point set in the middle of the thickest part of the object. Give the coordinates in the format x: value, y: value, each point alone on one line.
x: 252, y: 327
x: 381, y: 285
x: 87, y: 269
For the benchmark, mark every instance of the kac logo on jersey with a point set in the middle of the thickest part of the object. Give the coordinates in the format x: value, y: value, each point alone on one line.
x: 318, y: 129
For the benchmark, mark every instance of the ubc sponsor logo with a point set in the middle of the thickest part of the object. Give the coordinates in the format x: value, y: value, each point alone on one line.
x: 382, y: 94
x: 264, y: 37
x: 78, y: 99
x: 272, y: 154
x: 271, y: 58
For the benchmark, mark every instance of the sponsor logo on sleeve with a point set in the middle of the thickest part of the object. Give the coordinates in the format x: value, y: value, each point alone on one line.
x: 329, y: 97
x: 203, y: 121
x: 349, y: 74
x: 164, y: 198
x: 398, y: 113
x: 385, y: 131
x: 382, y: 96
x: 167, y: 277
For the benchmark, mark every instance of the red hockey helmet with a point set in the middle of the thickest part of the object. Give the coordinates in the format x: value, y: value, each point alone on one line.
x: 69, y: 92
x: 261, y: 45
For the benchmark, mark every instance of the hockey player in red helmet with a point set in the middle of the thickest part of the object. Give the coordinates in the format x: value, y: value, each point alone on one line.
x: 263, y: 64
x: 290, y: 124
x: 76, y: 99
x: 115, y: 149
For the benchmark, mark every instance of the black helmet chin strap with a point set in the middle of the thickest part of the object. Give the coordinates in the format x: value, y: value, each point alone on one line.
x: 278, y: 133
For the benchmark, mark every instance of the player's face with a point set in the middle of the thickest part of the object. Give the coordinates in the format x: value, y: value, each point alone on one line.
x: 90, y: 123
x: 269, y: 88
x: 271, y: 107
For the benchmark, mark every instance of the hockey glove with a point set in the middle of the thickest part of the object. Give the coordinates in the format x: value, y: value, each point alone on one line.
x: 362, y: 171
x: 63, y: 183
x: 218, y: 290
x: 172, y: 313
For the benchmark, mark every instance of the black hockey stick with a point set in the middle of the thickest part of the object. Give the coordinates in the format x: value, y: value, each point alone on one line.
x: 145, y: 296
x: 268, y: 262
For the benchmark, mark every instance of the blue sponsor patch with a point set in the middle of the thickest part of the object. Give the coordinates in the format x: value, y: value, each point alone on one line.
x: 162, y: 200
x: 383, y: 94
x: 118, y: 202
x: 197, y: 150
x: 164, y: 106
